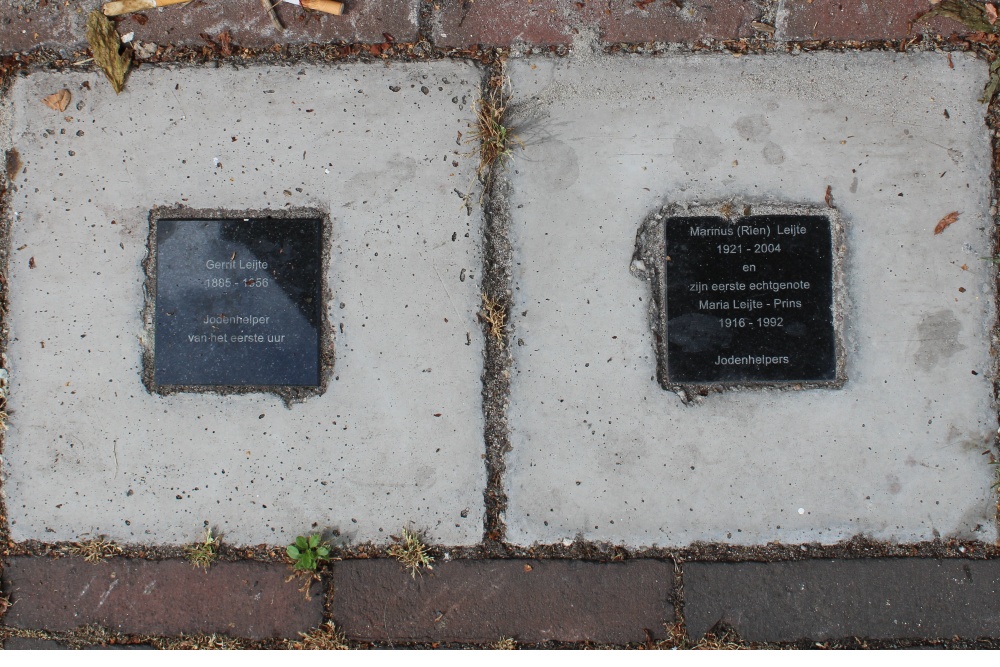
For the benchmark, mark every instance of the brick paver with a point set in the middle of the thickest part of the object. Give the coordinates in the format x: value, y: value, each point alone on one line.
x: 861, y: 19
x: 55, y: 26
x: 132, y: 596
x: 660, y: 21
x: 549, y: 22
x: 481, y: 601
x: 502, y: 22
x: 911, y: 598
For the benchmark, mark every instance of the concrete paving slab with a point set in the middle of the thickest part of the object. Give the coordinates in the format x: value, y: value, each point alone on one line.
x: 398, y: 435
x: 601, y: 451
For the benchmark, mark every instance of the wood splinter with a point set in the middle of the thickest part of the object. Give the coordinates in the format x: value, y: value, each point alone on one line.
x: 119, y: 7
x: 325, y: 6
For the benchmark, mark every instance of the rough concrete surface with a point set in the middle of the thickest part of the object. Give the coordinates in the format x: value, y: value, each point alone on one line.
x: 601, y: 451
x: 398, y: 435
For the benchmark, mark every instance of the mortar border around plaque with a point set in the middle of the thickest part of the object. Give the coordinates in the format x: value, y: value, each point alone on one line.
x: 649, y: 264
x: 327, y: 357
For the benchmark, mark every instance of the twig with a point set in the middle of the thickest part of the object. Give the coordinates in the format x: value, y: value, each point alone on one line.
x: 275, y: 21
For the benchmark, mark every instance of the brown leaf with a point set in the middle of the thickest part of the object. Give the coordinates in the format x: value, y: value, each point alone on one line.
x: 225, y: 43
x: 31, y: 263
x: 829, y: 196
x: 106, y: 46
x: 991, y: 13
x: 946, y: 221
x: 58, y: 101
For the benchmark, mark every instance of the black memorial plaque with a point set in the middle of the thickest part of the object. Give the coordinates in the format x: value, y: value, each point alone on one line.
x: 238, y: 302
x: 750, y: 300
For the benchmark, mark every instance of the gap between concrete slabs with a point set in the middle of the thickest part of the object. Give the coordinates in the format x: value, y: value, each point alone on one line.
x: 601, y: 452
x: 394, y: 440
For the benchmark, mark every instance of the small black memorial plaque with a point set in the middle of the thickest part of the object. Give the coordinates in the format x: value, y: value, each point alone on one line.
x: 238, y: 302
x: 750, y: 300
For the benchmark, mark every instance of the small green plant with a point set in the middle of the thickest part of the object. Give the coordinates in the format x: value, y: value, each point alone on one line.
x: 204, y: 553
x: 411, y: 552
x: 307, y: 552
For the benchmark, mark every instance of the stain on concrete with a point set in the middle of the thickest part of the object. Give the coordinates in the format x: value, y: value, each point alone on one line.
x: 13, y: 163
x: 697, y: 147
x: 938, y: 336
x: 753, y: 128
x: 562, y: 165
x: 894, y: 484
x: 773, y: 153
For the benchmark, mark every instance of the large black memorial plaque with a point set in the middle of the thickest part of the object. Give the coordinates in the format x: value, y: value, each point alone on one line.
x: 238, y: 302
x: 750, y: 300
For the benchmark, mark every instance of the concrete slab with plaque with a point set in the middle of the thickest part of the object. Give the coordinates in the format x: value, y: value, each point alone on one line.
x: 238, y: 302
x: 732, y: 318
x: 215, y: 311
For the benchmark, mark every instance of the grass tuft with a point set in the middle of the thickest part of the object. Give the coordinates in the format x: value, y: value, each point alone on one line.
x: 212, y: 642
x: 496, y: 140
x: 495, y: 317
x: 204, y: 553
x: 324, y: 638
x: 96, y: 550
x: 721, y: 640
x: 411, y: 552
x: 504, y: 644
x: 726, y: 641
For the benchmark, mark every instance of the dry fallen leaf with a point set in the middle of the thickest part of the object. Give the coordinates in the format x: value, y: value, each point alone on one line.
x: 829, y: 196
x: 107, y: 48
x: 946, y: 221
x: 58, y: 101
x: 991, y: 13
